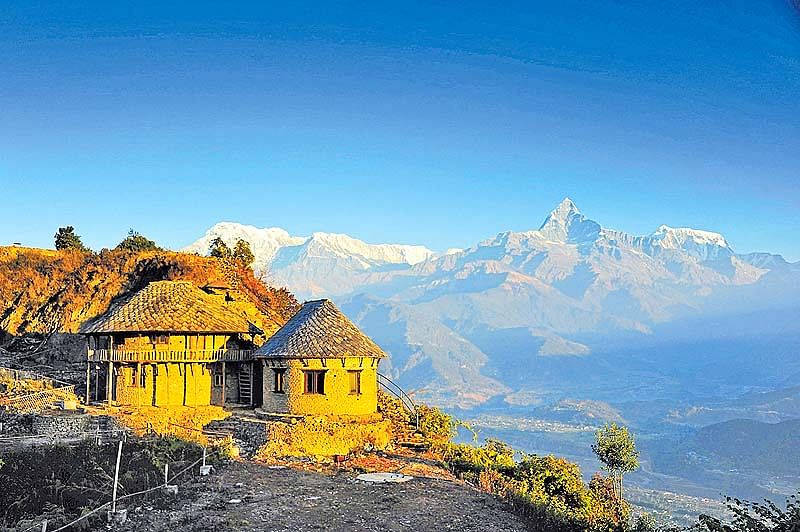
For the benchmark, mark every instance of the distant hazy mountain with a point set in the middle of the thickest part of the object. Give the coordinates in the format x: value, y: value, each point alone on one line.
x: 468, y: 325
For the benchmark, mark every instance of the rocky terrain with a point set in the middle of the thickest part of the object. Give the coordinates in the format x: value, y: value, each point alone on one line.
x: 253, y: 496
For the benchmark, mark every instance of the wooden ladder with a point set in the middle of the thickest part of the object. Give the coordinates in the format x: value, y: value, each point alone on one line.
x: 245, y: 388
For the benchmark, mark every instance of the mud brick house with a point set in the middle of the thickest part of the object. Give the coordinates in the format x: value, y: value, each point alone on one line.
x: 319, y: 362
x: 173, y: 344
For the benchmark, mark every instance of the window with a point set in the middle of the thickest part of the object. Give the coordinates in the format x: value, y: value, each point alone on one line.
x: 315, y: 382
x: 161, y: 339
x: 218, y: 380
x: 355, y: 382
x: 143, y: 378
x: 280, y: 380
x: 134, y: 380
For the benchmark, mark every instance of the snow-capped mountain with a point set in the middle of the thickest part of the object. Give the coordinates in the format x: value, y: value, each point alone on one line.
x: 323, y: 264
x: 465, y: 325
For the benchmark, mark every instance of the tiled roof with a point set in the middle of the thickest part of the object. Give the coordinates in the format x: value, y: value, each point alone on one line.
x: 319, y: 330
x: 168, y: 306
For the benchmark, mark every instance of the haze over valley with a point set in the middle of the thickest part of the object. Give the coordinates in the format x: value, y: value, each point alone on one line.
x: 537, y: 335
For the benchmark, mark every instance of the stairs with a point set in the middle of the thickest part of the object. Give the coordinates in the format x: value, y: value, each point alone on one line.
x: 245, y: 384
x: 415, y: 441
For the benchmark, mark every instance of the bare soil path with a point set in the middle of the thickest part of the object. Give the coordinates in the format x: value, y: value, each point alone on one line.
x: 247, y: 496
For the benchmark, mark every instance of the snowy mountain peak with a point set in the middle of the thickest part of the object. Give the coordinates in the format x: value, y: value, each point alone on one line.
x: 679, y: 237
x: 566, y: 224
x: 565, y: 209
x: 265, y: 242
x: 345, y: 246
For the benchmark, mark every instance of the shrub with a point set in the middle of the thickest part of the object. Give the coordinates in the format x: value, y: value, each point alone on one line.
x: 136, y: 242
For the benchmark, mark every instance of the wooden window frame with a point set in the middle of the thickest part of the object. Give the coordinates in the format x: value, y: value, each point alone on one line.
x: 278, y: 380
x: 314, y: 382
x: 217, y: 380
x: 357, y: 374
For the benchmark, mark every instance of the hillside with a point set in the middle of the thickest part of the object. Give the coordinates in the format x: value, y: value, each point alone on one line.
x: 44, y: 291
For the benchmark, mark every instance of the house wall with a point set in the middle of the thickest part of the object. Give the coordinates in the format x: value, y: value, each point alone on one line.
x: 231, y: 383
x: 336, y: 399
x: 176, y: 342
x: 176, y: 384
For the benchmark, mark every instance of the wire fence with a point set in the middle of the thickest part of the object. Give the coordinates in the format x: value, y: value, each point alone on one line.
x: 168, y: 481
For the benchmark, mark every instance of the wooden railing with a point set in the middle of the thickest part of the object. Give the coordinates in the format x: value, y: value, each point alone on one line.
x: 183, y: 355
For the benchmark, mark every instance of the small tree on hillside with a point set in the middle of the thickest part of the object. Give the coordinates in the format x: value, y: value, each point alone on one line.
x: 219, y: 249
x: 137, y: 242
x: 243, y: 254
x: 67, y: 239
x: 616, y: 449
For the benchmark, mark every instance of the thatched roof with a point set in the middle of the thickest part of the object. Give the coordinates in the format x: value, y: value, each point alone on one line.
x: 319, y: 330
x: 168, y: 306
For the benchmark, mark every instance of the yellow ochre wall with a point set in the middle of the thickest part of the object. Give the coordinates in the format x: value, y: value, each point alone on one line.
x: 170, y: 381
x: 177, y: 342
x: 336, y: 400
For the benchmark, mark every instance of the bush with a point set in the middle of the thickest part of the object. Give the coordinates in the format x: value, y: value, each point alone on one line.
x: 136, y: 243
x: 547, y: 490
x: 435, y: 424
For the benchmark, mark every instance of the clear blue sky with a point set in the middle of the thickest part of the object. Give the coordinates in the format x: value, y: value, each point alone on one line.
x: 430, y: 123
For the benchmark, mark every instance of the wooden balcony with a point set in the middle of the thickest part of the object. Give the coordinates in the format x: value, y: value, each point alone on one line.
x: 163, y: 355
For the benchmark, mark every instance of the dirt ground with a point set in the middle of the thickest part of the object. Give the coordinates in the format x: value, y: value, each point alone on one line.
x: 248, y: 496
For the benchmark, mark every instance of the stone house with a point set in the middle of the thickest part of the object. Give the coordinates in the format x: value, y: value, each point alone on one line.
x: 320, y: 363
x: 173, y: 344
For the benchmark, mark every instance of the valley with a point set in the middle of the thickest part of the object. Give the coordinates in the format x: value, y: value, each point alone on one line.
x: 540, y: 336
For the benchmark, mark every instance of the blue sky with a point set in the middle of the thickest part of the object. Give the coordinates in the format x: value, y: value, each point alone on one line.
x: 429, y: 123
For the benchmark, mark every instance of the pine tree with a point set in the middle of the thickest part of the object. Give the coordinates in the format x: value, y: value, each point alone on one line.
x: 243, y: 254
x: 219, y: 249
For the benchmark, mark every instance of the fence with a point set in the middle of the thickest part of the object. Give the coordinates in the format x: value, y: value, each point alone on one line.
x: 184, y: 355
x: 38, y: 401
x: 43, y: 526
x: 55, y: 391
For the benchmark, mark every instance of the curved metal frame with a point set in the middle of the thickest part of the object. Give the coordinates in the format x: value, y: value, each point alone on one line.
x: 390, y: 386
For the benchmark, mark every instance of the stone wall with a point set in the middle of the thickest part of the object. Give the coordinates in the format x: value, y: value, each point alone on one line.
x: 58, y: 426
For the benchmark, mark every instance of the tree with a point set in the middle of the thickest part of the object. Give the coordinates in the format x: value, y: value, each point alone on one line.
x: 616, y: 449
x: 219, y: 249
x: 243, y: 254
x: 755, y: 517
x: 67, y: 239
x: 137, y: 242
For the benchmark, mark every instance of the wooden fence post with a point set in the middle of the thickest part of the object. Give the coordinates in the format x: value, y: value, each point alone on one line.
x: 116, y: 479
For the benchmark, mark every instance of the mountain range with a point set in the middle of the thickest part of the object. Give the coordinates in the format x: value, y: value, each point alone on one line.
x: 468, y: 326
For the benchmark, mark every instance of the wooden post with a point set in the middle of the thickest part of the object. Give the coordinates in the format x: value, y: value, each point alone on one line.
x: 109, y: 379
x: 116, y: 479
x: 88, y: 381
x: 110, y: 368
x: 138, y: 384
x: 252, y: 369
x: 44, y: 526
x: 223, y: 384
x: 204, y: 456
x: 166, y: 474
